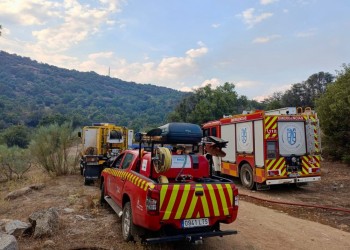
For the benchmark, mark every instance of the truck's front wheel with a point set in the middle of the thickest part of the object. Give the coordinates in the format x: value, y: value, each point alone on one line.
x: 247, y: 177
x: 102, y: 197
x: 128, y: 226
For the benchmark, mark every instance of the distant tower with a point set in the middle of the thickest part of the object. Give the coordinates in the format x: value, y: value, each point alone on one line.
x: 109, y: 71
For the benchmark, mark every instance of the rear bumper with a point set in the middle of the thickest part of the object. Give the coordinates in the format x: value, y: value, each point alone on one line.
x: 293, y: 180
x: 92, y: 172
x: 192, y: 237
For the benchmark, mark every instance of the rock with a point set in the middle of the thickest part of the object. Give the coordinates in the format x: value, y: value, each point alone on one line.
x: 17, y: 193
x: 8, y: 242
x: 44, y: 222
x: 3, y: 222
x: 68, y: 210
x: 49, y: 244
x: 37, y: 186
x: 16, y: 227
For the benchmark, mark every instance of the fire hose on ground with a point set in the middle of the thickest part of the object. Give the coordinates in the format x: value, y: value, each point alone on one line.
x: 344, y: 210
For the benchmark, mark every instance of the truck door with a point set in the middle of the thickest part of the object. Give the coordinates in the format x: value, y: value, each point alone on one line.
x: 121, y: 176
x: 113, y: 179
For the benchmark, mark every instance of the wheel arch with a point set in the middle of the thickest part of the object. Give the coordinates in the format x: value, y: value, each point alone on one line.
x: 240, y: 167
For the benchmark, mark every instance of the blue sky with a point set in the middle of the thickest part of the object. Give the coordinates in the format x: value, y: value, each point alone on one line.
x: 262, y: 46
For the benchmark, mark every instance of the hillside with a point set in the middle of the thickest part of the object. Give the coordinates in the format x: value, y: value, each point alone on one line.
x: 33, y: 93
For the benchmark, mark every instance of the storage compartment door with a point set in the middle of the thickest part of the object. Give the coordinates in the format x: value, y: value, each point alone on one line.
x: 228, y: 134
x: 291, y: 138
x: 259, y: 143
x: 90, y: 137
x: 244, y: 137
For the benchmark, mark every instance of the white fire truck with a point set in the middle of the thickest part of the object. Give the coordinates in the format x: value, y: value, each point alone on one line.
x: 269, y: 147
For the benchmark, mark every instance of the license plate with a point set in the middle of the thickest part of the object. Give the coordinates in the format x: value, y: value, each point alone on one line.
x: 92, y: 163
x: 195, y: 223
x: 293, y: 175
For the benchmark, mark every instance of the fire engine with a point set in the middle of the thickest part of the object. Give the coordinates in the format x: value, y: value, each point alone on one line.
x: 269, y: 147
x: 101, y: 142
x: 166, y: 194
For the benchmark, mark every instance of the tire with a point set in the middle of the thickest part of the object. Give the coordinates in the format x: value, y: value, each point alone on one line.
x: 102, y: 197
x: 247, y: 177
x: 128, y: 227
x: 87, y: 182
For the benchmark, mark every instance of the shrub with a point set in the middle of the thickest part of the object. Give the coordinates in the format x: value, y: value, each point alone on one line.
x: 50, y: 147
x: 14, y: 162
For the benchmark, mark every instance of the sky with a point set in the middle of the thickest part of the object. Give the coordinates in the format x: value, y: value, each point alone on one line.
x: 261, y: 46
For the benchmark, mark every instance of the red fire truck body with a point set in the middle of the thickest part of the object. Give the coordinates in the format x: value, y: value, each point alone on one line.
x: 157, y: 191
x: 270, y: 147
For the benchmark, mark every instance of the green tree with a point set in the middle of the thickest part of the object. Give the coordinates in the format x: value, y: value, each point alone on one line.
x: 333, y: 109
x: 17, y: 135
x: 207, y: 104
x: 301, y: 94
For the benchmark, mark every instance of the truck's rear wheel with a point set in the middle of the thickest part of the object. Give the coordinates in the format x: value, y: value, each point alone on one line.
x: 128, y: 227
x: 247, y: 177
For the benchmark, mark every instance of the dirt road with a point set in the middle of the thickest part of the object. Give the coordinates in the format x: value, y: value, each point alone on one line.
x: 264, y: 228
x: 91, y: 227
x: 260, y: 225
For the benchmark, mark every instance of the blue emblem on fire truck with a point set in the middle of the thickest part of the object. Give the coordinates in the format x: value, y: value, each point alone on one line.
x: 291, y: 136
x: 244, y: 135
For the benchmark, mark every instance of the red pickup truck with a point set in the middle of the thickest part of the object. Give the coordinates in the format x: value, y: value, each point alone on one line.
x: 164, y: 196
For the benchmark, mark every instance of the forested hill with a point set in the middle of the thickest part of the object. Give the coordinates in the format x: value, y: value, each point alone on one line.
x: 33, y: 93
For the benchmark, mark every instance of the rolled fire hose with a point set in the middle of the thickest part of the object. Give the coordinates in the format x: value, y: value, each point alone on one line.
x: 162, y: 161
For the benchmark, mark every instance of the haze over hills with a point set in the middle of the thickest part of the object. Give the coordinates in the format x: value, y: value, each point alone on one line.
x: 33, y: 93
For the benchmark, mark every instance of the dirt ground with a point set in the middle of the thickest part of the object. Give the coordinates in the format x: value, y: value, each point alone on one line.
x: 86, y: 225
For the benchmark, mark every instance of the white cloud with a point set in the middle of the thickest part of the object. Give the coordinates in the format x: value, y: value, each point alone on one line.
x: 29, y: 12
x: 214, y: 82
x: 308, y: 33
x: 250, y: 19
x: 271, y: 90
x: 169, y: 72
x: 215, y: 25
x: 265, y: 2
x: 266, y: 39
x: 246, y: 84
x: 59, y: 26
x: 197, y: 52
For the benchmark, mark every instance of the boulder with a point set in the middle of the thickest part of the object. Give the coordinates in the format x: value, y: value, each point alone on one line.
x: 44, y: 222
x: 16, y: 227
x: 8, y: 242
x: 17, y: 193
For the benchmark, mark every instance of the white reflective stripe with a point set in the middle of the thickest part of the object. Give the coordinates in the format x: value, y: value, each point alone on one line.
x: 294, y: 180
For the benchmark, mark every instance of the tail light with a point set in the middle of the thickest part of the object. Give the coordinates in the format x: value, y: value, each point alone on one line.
x: 273, y: 172
x: 152, y: 202
x: 236, y: 198
x: 314, y: 170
